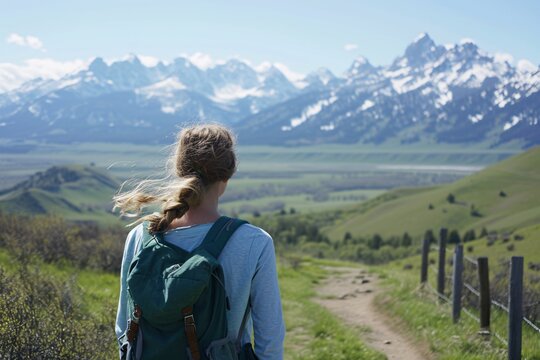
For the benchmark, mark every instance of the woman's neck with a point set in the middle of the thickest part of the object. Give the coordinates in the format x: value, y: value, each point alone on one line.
x: 205, y: 212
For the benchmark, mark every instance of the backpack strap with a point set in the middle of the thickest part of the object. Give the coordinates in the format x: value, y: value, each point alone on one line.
x: 219, y: 234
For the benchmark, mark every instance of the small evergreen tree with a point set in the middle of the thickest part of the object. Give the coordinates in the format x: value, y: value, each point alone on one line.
x: 451, y: 198
x: 470, y: 235
x: 454, y: 237
x: 376, y: 242
x: 406, y: 240
x: 430, y: 236
x: 483, y: 233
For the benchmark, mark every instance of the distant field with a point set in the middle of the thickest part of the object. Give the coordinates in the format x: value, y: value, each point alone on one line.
x: 273, y: 178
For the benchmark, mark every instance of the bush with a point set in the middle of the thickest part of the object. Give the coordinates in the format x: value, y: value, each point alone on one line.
x: 451, y: 198
x: 40, y: 318
x: 54, y: 239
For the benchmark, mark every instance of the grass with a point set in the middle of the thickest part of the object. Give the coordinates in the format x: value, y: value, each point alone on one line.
x: 431, y: 322
x: 518, y: 177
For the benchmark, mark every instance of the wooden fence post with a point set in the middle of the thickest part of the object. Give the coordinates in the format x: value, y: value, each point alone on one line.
x: 442, y: 260
x: 457, y: 282
x: 424, y: 268
x: 485, y: 300
x: 515, y: 308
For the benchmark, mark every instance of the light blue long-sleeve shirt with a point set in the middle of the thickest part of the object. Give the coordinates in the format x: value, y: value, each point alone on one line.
x: 249, y: 267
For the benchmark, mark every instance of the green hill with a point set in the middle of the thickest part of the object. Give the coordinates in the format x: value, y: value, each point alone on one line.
x: 503, y: 197
x: 74, y: 192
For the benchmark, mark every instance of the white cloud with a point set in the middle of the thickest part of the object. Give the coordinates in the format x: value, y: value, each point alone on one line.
x: 25, y: 41
x: 350, y: 47
x: 14, y: 75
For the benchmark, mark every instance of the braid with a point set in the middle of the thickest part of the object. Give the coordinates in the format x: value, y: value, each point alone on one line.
x: 188, y: 195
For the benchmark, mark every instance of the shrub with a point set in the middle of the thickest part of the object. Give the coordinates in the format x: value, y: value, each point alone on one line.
x: 40, y: 318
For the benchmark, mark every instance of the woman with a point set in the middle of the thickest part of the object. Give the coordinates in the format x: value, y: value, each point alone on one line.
x: 204, y: 161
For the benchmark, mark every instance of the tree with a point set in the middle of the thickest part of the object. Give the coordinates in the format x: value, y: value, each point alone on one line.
x: 430, y: 236
x: 347, y: 237
x: 474, y: 211
x: 470, y: 235
x: 483, y: 233
x: 454, y: 237
x: 376, y: 242
x: 451, y: 198
x: 406, y: 240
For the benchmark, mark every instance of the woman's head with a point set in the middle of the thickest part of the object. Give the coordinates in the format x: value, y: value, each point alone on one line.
x: 204, y: 155
x: 205, y: 152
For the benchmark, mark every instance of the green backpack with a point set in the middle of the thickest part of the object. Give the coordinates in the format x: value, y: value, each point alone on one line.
x: 178, y: 301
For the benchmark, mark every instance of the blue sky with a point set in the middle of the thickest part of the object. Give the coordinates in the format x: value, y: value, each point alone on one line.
x: 304, y: 35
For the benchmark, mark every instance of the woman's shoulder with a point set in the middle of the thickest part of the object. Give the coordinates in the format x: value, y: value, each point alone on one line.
x: 257, y: 238
x: 254, y: 231
x: 134, y: 237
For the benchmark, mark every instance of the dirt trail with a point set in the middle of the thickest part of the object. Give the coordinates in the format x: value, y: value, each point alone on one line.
x: 350, y: 295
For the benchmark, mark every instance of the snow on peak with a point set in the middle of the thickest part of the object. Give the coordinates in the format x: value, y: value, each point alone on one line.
x: 202, y: 61
x: 149, y: 61
x: 421, y: 36
x: 525, y: 66
x: 267, y: 68
x: 360, y: 60
x: 231, y: 93
x: 503, y: 57
x: 162, y: 89
x: 465, y: 41
x: 310, y: 111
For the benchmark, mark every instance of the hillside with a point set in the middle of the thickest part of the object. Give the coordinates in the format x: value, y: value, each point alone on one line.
x: 74, y: 192
x: 503, y: 197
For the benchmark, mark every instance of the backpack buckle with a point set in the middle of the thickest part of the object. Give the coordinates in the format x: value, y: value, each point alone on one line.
x: 189, y: 320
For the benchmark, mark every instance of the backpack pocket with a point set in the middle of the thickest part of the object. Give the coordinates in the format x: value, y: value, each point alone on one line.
x: 222, y: 349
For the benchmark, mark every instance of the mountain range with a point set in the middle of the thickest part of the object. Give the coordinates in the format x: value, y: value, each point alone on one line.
x: 430, y: 94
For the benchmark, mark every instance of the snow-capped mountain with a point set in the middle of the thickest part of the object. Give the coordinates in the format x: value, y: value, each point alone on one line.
x: 128, y: 101
x: 432, y: 93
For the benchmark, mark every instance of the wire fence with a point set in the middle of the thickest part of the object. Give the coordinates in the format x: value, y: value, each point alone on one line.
x: 469, y: 276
